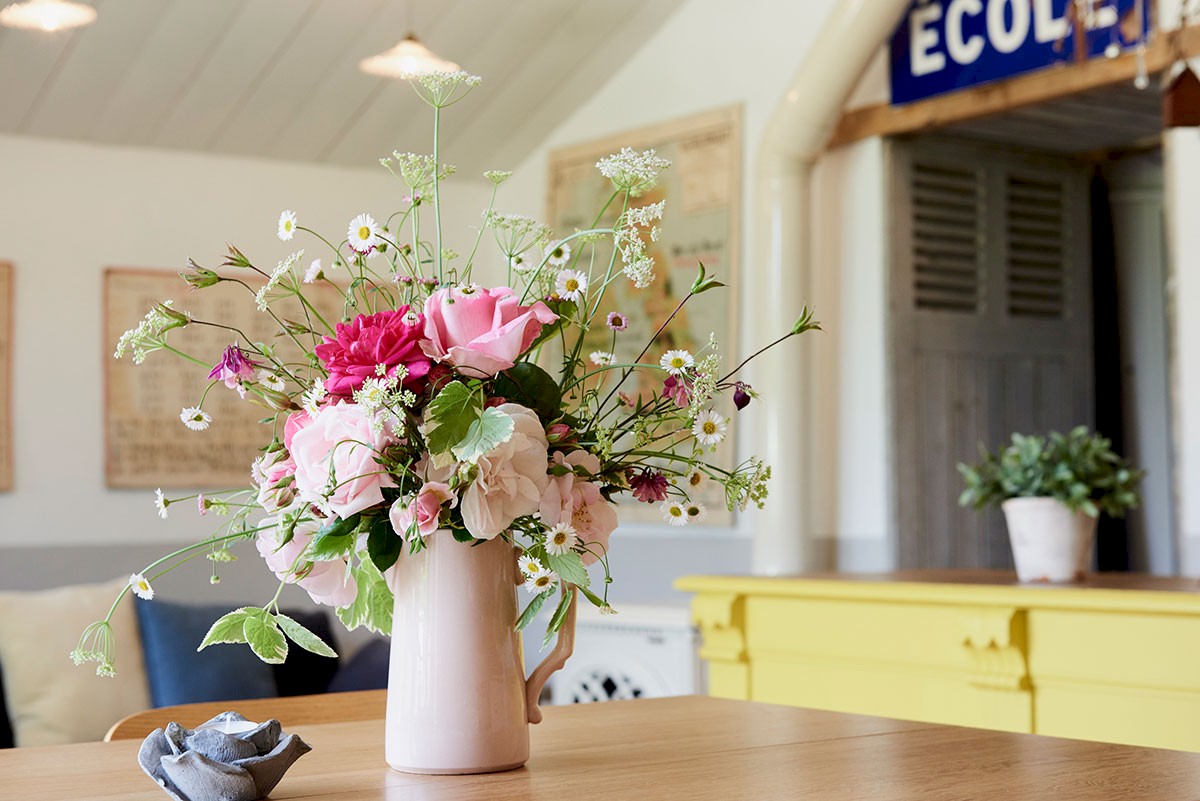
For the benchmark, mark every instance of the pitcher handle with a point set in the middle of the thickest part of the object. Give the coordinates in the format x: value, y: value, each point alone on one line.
x: 554, y: 660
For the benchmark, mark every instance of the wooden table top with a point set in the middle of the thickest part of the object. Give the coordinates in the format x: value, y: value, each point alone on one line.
x: 691, y: 749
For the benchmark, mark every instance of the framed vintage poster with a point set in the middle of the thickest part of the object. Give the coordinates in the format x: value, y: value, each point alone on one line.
x: 7, y: 326
x: 702, y: 190
x: 146, y: 445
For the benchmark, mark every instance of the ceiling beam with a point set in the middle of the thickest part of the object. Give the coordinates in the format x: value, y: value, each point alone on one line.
x: 884, y: 119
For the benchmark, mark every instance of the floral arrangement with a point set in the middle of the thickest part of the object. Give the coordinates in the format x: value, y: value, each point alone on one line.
x: 426, y: 410
x: 1079, y: 469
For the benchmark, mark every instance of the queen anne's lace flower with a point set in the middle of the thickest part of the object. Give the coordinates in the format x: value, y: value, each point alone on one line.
x: 631, y: 171
x: 282, y: 270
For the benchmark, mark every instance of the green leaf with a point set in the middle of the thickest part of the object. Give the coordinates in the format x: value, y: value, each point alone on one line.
x: 383, y: 544
x: 491, y: 429
x: 703, y: 283
x: 449, y: 415
x: 596, y: 600
x: 333, y: 541
x: 265, y: 638
x: 569, y: 568
x: 229, y: 628
x: 531, y: 611
x: 559, y: 617
x: 462, y: 535
x: 529, y: 385
x: 303, y: 637
x: 805, y: 322
x: 372, y: 607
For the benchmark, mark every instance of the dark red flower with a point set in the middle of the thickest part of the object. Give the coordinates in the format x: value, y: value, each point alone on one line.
x: 741, y: 398
x: 649, y: 486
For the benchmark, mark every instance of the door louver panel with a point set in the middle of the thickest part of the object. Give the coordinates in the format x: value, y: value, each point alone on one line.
x: 947, y: 211
x: 1036, y: 269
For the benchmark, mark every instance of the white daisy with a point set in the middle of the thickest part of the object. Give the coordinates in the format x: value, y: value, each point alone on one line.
x: 602, y: 358
x: 363, y: 234
x: 709, y: 428
x: 676, y: 362
x: 161, y: 503
x: 674, y: 513
x: 571, y: 285
x: 560, y: 539
x: 141, y: 587
x: 311, y: 402
x: 531, y: 566
x: 696, y: 479
x: 272, y: 381
x: 541, y: 582
x: 696, y: 512
x: 558, y: 254
x: 287, y: 225
x: 522, y: 263
x: 195, y: 418
x: 313, y: 272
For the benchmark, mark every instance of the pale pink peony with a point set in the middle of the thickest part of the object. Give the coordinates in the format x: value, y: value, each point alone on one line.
x: 326, y: 582
x: 511, y: 478
x: 573, y: 499
x: 390, y: 338
x: 340, y: 434
x: 481, y: 331
x: 425, y: 509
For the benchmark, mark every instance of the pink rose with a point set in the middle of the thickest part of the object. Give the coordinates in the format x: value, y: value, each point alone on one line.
x: 340, y: 435
x: 389, y: 338
x: 571, y: 499
x: 481, y: 332
x: 326, y: 582
x: 511, y: 477
x: 425, y: 509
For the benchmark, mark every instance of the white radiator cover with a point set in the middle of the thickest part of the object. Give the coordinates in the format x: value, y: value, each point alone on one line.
x: 641, y: 652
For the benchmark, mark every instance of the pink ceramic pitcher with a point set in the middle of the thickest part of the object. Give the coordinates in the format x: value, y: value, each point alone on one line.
x: 457, y: 699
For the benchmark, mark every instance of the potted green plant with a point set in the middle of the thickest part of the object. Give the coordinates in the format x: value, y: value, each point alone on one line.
x: 1052, y: 490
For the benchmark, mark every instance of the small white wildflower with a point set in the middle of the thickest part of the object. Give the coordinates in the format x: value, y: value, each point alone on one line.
x: 696, y: 479
x: 560, y: 539
x: 558, y: 254
x: 531, y: 566
x: 141, y: 587
x: 411, y: 317
x: 373, y: 394
x: 645, y: 216
x: 363, y: 234
x: 161, y: 503
x: 313, y: 272
x: 602, y: 358
x: 640, y: 270
x: 696, y: 512
x: 261, y: 298
x: 311, y: 402
x: 272, y: 381
x: 540, y: 582
x: 522, y: 263
x: 674, y: 513
x: 571, y: 285
x: 287, y: 225
x: 498, y: 177
x: 632, y: 171
x: 709, y: 428
x: 195, y: 418
x: 677, y: 362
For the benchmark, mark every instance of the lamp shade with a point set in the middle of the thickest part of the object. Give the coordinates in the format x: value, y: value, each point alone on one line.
x: 47, y: 15
x: 408, y: 58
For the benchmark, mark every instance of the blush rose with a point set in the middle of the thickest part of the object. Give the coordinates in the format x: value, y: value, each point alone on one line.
x: 341, y: 436
x: 570, y: 498
x: 511, y: 477
x: 481, y: 331
x: 327, y: 583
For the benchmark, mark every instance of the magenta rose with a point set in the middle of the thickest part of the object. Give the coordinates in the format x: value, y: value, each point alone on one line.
x: 390, y: 338
x: 481, y: 331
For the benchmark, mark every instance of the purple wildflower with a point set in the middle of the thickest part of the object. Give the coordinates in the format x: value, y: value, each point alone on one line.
x: 617, y: 321
x: 678, y: 389
x: 741, y: 398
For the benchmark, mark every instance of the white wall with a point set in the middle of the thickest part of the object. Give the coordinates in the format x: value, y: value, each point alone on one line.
x: 67, y: 211
x: 1181, y: 198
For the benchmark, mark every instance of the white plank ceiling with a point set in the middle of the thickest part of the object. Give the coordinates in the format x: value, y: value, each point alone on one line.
x: 280, y: 78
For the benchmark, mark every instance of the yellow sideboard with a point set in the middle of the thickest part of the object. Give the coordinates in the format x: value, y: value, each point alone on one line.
x: 1115, y: 659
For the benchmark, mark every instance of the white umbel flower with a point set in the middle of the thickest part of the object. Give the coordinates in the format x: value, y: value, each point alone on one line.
x: 558, y: 254
x: 161, y: 503
x: 287, y: 225
x: 571, y: 285
x: 602, y: 358
x: 560, y: 539
x: 709, y: 428
x: 195, y: 418
x: 363, y: 234
x: 677, y: 362
x: 674, y: 513
x: 540, y: 582
x: 141, y: 587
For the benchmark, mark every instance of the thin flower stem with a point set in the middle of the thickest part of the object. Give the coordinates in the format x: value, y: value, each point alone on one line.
x: 437, y: 207
x: 753, y: 356
x: 645, y: 350
x: 478, y: 236
x: 190, y: 358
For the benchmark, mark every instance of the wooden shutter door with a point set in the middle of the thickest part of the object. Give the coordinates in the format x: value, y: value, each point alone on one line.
x: 991, y: 322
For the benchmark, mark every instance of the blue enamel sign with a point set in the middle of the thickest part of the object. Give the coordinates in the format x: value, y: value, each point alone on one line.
x: 944, y: 45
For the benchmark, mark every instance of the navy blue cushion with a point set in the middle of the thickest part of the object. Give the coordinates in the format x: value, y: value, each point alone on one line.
x: 366, y: 670
x: 303, y: 672
x: 177, y: 674
x: 6, y: 732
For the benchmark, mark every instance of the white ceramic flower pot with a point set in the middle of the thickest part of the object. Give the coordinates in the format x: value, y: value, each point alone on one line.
x: 1049, y: 541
